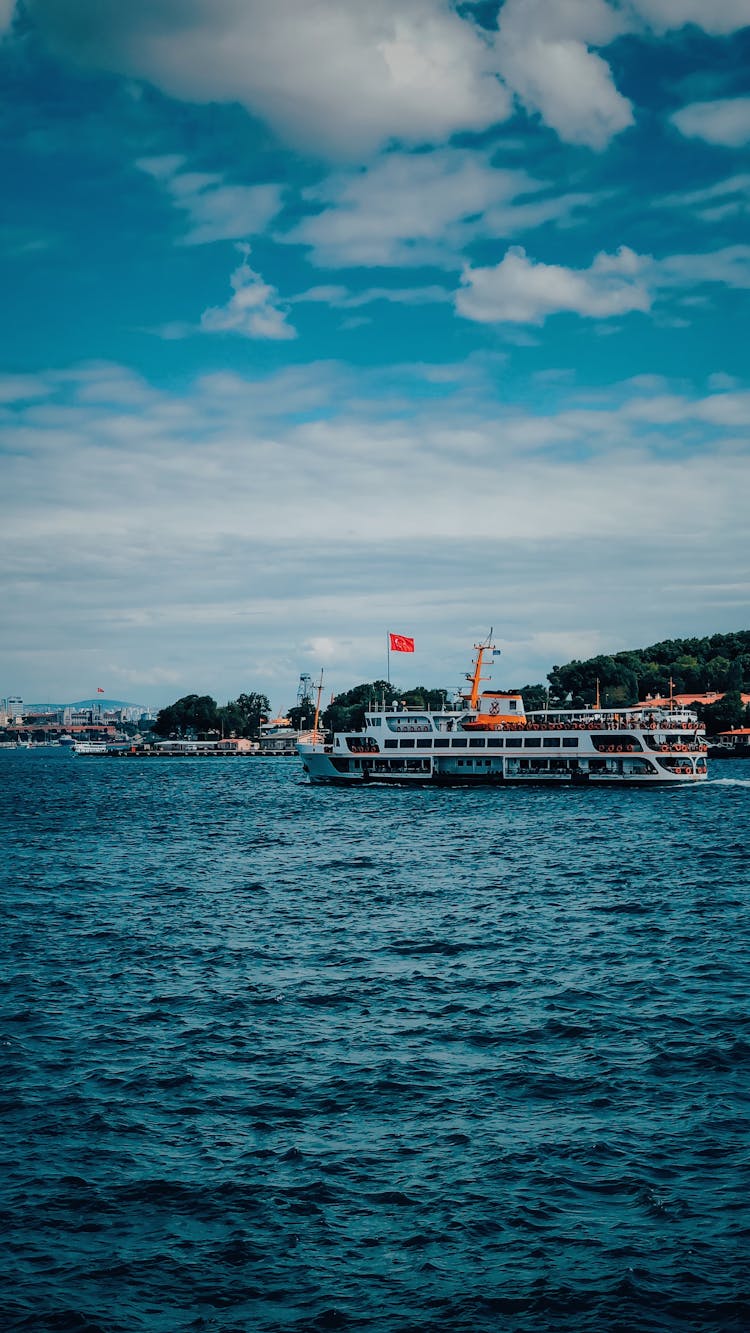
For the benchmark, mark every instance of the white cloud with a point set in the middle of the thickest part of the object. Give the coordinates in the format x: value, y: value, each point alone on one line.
x: 726, y: 409
x: 546, y: 57
x: 723, y: 199
x: 7, y: 8
x: 332, y: 76
x: 518, y: 290
x: 151, y: 675
x: 528, y: 501
x: 216, y: 211
x: 326, y: 650
x: 719, y: 17
x: 729, y: 267
x: 719, y: 381
x: 20, y: 388
x: 253, y: 311
x: 342, y: 298
x: 724, y: 122
x: 344, y: 79
x: 422, y: 208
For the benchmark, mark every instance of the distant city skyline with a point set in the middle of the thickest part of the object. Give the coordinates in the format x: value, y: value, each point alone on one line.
x: 325, y: 321
x: 73, y: 703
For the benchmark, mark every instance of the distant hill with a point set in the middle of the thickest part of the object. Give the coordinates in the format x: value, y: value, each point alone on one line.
x: 100, y: 702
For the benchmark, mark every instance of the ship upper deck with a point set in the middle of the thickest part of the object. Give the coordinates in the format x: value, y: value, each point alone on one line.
x: 410, y: 721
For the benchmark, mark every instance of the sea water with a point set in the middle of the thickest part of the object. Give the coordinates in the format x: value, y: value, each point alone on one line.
x: 285, y: 1058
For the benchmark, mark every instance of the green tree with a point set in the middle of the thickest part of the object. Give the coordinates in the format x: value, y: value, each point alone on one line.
x: 725, y: 714
x: 242, y: 716
x: 231, y: 720
x: 715, y: 673
x: 719, y: 662
x: 735, y: 675
x: 534, y: 697
x: 193, y: 715
x: 347, y: 711
x: 615, y: 680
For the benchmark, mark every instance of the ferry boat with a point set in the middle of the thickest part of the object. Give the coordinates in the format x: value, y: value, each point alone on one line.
x: 488, y: 738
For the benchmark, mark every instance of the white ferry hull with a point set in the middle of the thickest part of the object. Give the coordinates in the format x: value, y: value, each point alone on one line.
x: 322, y: 765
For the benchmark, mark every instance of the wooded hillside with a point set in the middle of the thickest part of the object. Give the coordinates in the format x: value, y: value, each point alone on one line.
x: 720, y: 662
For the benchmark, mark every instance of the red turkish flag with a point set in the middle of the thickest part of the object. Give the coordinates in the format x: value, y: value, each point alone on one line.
x: 400, y: 644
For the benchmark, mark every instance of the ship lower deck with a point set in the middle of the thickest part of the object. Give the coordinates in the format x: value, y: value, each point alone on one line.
x: 500, y: 770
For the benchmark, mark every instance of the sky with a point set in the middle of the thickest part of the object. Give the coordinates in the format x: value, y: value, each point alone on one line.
x: 322, y: 319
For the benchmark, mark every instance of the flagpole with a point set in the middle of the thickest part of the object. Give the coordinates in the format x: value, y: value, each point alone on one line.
x: 388, y: 655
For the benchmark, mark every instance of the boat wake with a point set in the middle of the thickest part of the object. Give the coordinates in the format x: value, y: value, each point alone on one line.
x: 727, y: 782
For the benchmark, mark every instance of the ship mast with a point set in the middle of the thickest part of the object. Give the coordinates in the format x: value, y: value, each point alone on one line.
x: 476, y: 676
x: 317, y: 705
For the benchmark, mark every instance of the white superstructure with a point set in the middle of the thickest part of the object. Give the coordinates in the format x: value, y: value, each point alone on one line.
x: 488, y: 738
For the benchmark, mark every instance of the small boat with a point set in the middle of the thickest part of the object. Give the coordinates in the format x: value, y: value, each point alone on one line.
x: 487, y: 738
x: 90, y: 747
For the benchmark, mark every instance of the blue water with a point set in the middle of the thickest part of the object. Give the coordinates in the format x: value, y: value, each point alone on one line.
x: 281, y: 1058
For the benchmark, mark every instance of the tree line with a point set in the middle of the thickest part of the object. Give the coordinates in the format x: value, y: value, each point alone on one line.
x: 718, y: 663
x: 200, y: 715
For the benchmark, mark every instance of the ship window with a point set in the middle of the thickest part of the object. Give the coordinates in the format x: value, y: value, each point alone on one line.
x: 407, y: 745
x: 570, y: 741
x: 409, y: 722
x: 514, y: 740
x: 459, y: 740
x: 424, y: 741
x: 513, y: 705
x: 439, y: 743
x: 477, y: 743
x: 552, y: 742
x: 533, y: 742
x: 375, y: 721
x: 390, y: 745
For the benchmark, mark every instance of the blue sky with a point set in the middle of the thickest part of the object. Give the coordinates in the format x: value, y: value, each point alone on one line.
x: 324, y: 318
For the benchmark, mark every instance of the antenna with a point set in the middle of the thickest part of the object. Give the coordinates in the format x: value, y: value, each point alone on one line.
x: 304, y: 691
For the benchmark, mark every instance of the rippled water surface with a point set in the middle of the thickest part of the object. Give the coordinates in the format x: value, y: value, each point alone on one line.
x: 277, y: 1057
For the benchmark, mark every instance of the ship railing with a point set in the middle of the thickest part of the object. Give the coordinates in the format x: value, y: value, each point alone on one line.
x: 378, y: 707
x: 612, y: 721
